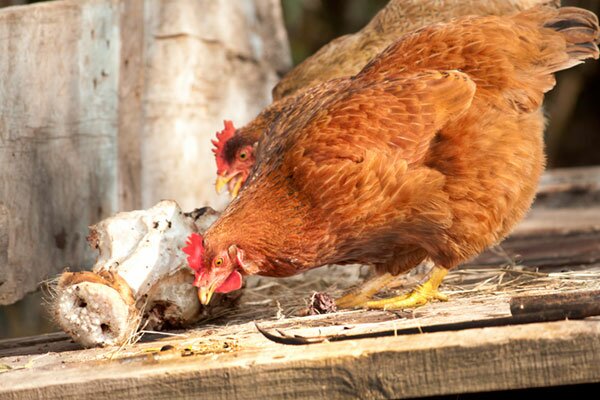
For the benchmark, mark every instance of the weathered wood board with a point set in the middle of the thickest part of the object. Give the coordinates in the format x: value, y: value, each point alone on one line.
x: 563, y: 227
x: 225, y: 362
x: 109, y: 105
x: 205, y: 61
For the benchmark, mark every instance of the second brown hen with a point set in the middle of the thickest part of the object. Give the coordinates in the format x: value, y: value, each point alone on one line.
x: 345, y: 56
x: 348, y: 54
x: 433, y: 150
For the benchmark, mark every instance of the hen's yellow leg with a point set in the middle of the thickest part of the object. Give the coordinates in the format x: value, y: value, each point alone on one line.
x: 420, y: 296
x: 361, y: 295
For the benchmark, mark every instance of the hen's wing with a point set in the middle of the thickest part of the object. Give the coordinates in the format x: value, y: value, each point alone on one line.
x: 511, y: 59
x: 361, y: 155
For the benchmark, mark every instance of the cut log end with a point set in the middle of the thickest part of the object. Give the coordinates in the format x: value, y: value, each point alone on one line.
x: 140, y: 277
x: 94, y: 314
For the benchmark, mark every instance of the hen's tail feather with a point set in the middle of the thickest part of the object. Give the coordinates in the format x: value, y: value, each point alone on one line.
x: 536, y: 66
x: 581, y: 51
x: 581, y: 32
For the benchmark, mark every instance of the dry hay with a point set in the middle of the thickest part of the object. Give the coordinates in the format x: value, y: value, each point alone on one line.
x: 272, y: 298
x: 278, y: 299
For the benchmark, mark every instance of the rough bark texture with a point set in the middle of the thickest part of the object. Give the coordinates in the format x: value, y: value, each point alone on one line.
x: 109, y: 105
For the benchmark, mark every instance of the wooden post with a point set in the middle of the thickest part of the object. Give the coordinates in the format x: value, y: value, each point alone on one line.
x: 131, y: 117
x: 58, y: 77
x: 109, y: 105
x: 205, y: 61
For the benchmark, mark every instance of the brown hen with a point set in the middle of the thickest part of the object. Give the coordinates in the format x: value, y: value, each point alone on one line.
x: 433, y: 150
x: 345, y: 56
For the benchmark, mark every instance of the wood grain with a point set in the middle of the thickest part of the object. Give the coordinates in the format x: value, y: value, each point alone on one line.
x: 197, y: 73
x: 131, y: 117
x: 232, y: 360
x: 486, y: 359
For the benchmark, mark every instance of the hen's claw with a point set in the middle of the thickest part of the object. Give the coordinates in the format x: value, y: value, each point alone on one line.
x: 422, y: 295
x: 416, y: 298
x: 360, y: 296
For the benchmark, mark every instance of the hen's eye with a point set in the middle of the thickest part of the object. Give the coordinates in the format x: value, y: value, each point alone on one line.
x: 243, y: 155
x: 219, y: 262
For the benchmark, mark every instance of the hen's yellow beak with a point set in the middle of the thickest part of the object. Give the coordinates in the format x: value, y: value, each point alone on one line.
x: 236, y: 188
x: 205, y: 294
x: 222, y: 181
x: 234, y: 181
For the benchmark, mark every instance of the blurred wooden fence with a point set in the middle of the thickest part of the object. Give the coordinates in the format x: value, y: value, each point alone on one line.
x: 109, y: 105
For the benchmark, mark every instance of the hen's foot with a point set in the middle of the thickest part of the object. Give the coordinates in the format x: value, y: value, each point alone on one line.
x: 361, y: 295
x: 420, y: 296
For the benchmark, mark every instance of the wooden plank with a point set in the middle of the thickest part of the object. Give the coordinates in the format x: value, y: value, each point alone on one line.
x: 108, y: 105
x: 30, y: 341
x: 33, y: 345
x: 535, y: 355
x: 549, y: 238
x: 181, y: 75
x: 131, y: 117
x: 569, y: 186
x: 563, y: 227
x: 232, y: 360
x: 198, y: 73
x: 57, y: 135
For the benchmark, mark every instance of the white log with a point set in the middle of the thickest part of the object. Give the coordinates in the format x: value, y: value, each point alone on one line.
x: 94, y: 314
x: 143, y: 245
x: 140, y: 273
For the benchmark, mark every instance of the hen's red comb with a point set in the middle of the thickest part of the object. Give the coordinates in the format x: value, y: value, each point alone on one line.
x: 195, y: 259
x: 195, y: 252
x: 222, y: 137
